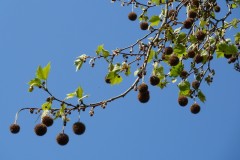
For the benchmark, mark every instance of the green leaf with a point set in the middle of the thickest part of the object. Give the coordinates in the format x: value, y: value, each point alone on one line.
x: 184, y: 86
x: 237, y: 38
x: 201, y: 96
x: 99, y: 49
x: 154, y: 20
x: 46, y: 106
x: 114, y: 78
x: 181, y: 38
x: 235, y: 23
x: 176, y: 70
x: 79, y: 61
x: 192, y: 39
x: 35, y: 82
x: 79, y: 92
x: 71, y: 95
x: 105, y: 53
x: 151, y: 55
x: 179, y: 49
x: 42, y: 73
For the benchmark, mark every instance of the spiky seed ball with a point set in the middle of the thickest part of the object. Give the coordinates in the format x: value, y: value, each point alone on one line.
x: 144, y: 25
x: 14, y: 128
x: 191, y: 53
x: 195, y: 108
x: 78, y: 128
x: 143, y: 97
x: 171, y: 12
x: 188, y: 23
x: 217, y: 8
x: 227, y: 56
x: 154, y: 80
x: 168, y: 50
x: 173, y: 60
x: 47, y: 120
x: 40, y: 129
x: 192, y: 14
x: 200, y: 35
x: 184, y: 74
x: 198, y: 58
x: 195, y: 84
x: 62, y: 139
x: 132, y: 16
x: 182, y: 101
x: 143, y: 87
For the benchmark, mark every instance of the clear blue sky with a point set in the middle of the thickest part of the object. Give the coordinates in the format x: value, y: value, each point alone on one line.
x: 34, y: 32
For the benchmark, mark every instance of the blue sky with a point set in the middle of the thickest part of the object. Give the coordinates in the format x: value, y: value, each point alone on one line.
x: 36, y: 32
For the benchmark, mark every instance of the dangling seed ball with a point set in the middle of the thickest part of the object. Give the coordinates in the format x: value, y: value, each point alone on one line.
x: 62, y: 139
x: 168, y: 50
x: 198, y: 58
x: 173, y: 60
x: 47, y: 120
x: 217, y: 9
x: 182, y: 100
x: 200, y: 35
x: 195, y: 108
x: 143, y: 87
x: 195, y: 84
x: 192, y: 14
x: 191, y: 53
x: 14, y: 128
x: 144, y: 25
x: 227, y: 56
x: 184, y: 74
x: 132, y: 16
x: 154, y: 80
x: 143, y: 97
x: 188, y: 23
x: 78, y: 128
x: 40, y: 129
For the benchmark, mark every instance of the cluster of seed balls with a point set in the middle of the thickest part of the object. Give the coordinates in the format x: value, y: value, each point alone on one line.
x: 143, y: 95
x: 133, y: 16
x: 47, y: 121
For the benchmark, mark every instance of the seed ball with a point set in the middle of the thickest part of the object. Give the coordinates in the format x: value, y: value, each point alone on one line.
x: 168, y: 50
x: 78, y: 128
x: 171, y: 12
x: 143, y: 87
x: 217, y: 8
x: 144, y: 25
x: 154, y: 80
x: 107, y: 80
x: 232, y: 60
x: 188, y: 23
x: 191, y: 53
x: 132, y: 16
x: 173, y: 60
x: 195, y: 84
x: 195, y: 108
x: 200, y: 35
x: 184, y: 74
x: 40, y: 129
x: 14, y: 128
x: 62, y: 139
x: 143, y: 97
x: 227, y: 56
x: 182, y: 101
x: 47, y: 120
x: 192, y: 14
x: 198, y: 58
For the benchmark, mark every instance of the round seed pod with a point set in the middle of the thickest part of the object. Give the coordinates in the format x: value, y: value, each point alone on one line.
x: 62, y: 139
x: 154, y: 80
x: 143, y: 97
x: 182, y: 101
x: 192, y: 14
x: 14, y: 128
x: 195, y: 108
x: 217, y: 9
x: 143, y: 87
x: 132, y: 16
x: 168, y: 50
x: 195, y: 84
x: 40, y: 129
x: 200, y: 35
x: 78, y: 128
x: 173, y: 60
x: 198, y: 58
x: 47, y: 120
x: 188, y: 23
x: 191, y: 53
x: 144, y: 25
